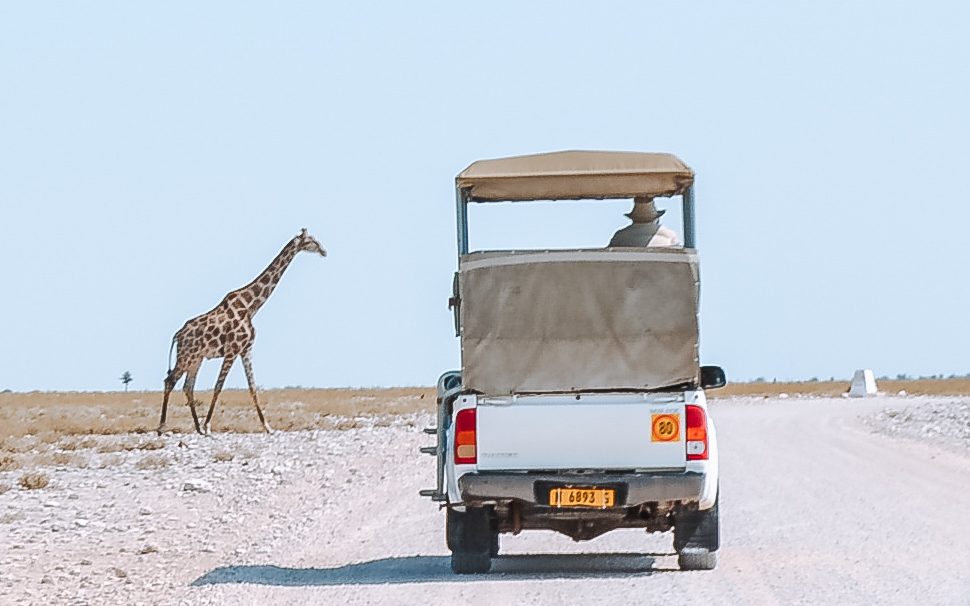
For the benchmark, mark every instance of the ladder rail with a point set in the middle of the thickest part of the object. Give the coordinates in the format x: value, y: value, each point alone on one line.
x: 449, y: 386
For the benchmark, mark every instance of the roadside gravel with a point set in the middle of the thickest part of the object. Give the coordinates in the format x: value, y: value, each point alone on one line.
x: 143, y: 517
x: 940, y: 421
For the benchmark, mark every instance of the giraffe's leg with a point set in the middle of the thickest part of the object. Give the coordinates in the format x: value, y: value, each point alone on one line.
x: 173, y: 376
x: 226, y: 365
x: 248, y: 365
x: 189, y: 389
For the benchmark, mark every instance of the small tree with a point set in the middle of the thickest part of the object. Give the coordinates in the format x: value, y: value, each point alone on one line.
x: 126, y: 379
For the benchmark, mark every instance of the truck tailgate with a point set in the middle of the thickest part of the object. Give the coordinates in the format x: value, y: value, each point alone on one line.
x: 595, y: 432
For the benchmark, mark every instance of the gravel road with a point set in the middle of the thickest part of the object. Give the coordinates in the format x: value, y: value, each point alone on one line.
x: 821, y: 504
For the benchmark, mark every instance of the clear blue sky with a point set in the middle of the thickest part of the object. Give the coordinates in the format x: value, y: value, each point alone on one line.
x: 155, y: 156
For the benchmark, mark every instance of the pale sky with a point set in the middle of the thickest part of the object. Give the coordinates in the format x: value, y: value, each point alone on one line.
x: 154, y: 157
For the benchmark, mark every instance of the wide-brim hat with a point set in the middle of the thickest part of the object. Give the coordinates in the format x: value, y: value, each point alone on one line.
x: 644, y: 210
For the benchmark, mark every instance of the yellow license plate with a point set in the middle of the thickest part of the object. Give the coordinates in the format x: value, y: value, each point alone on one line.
x: 582, y: 497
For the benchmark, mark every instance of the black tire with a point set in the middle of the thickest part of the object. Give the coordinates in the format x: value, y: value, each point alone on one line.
x: 697, y: 537
x: 470, y: 563
x: 697, y: 559
x: 471, y: 539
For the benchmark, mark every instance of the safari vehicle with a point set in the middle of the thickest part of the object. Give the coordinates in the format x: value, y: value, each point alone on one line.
x: 580, y: 404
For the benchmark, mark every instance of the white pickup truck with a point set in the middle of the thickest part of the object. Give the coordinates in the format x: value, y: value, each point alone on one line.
x: 580, y: 405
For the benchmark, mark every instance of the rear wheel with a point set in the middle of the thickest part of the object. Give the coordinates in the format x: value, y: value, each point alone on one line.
x: 470, y: 563
x: 700, y: 559
x: 471, y: 540
x: 697, y: 538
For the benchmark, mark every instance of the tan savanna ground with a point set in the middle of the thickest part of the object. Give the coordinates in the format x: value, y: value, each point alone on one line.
x: 52, y: 414
x: 913, y: 387
x: 40, y: 431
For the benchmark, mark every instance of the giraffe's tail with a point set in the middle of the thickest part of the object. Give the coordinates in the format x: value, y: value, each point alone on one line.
x: 171, y: 347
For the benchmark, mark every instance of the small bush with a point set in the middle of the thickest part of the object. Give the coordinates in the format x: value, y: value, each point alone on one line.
x: 345, y: 424
x: 60, y: 459
x: 131, y: 445
x: 223, y: 456
x: 77, y: 444
x: 110, y: 447
x: 19, y: 445
x: 8, y: 463
x: 4, y: 488
x: 152, y: 462
x: 34, y: 481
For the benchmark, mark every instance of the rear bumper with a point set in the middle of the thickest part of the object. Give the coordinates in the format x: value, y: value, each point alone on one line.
x: 631, y: 488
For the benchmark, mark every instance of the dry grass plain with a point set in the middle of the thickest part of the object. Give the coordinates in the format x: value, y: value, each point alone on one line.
x: 913, y: 387
x: 48, y: 417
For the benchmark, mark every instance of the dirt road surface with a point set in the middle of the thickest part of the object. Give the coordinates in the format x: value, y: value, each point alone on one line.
x: 817, y: 508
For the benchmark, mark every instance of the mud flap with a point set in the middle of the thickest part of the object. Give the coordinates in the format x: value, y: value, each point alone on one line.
x: 470, y: 537
x: 698, y: 529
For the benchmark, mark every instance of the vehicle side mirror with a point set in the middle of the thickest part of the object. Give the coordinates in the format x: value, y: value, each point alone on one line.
x: 454, y: 304
x: 712, y: 377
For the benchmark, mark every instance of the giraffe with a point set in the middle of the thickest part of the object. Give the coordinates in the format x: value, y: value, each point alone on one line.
x: 226, y: 332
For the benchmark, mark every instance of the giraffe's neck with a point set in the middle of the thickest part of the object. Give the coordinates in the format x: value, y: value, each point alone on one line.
x: 256, y: 292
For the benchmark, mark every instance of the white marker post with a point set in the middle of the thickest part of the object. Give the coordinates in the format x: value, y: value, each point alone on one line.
x: 863, y: 384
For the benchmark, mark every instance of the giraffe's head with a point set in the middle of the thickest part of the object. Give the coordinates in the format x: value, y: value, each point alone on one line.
x: 306, y: 242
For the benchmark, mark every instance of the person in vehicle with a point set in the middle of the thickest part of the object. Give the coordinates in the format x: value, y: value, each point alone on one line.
x: 645, y: 229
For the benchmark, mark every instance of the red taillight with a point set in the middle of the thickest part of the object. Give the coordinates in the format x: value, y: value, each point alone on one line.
x: 696, y: 433
x: 465, y: 440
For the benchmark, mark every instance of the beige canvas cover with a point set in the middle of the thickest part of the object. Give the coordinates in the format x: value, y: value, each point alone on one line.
x: 572, y: 175
x: 578, y: 320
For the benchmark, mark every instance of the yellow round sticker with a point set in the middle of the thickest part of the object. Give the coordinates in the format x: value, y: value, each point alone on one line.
x: 666, y: 428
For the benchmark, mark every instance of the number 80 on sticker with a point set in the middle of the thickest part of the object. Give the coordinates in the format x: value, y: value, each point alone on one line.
x: 665, y: 428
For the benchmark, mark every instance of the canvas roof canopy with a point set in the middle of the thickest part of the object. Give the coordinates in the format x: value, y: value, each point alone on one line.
x: 575, y: 175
